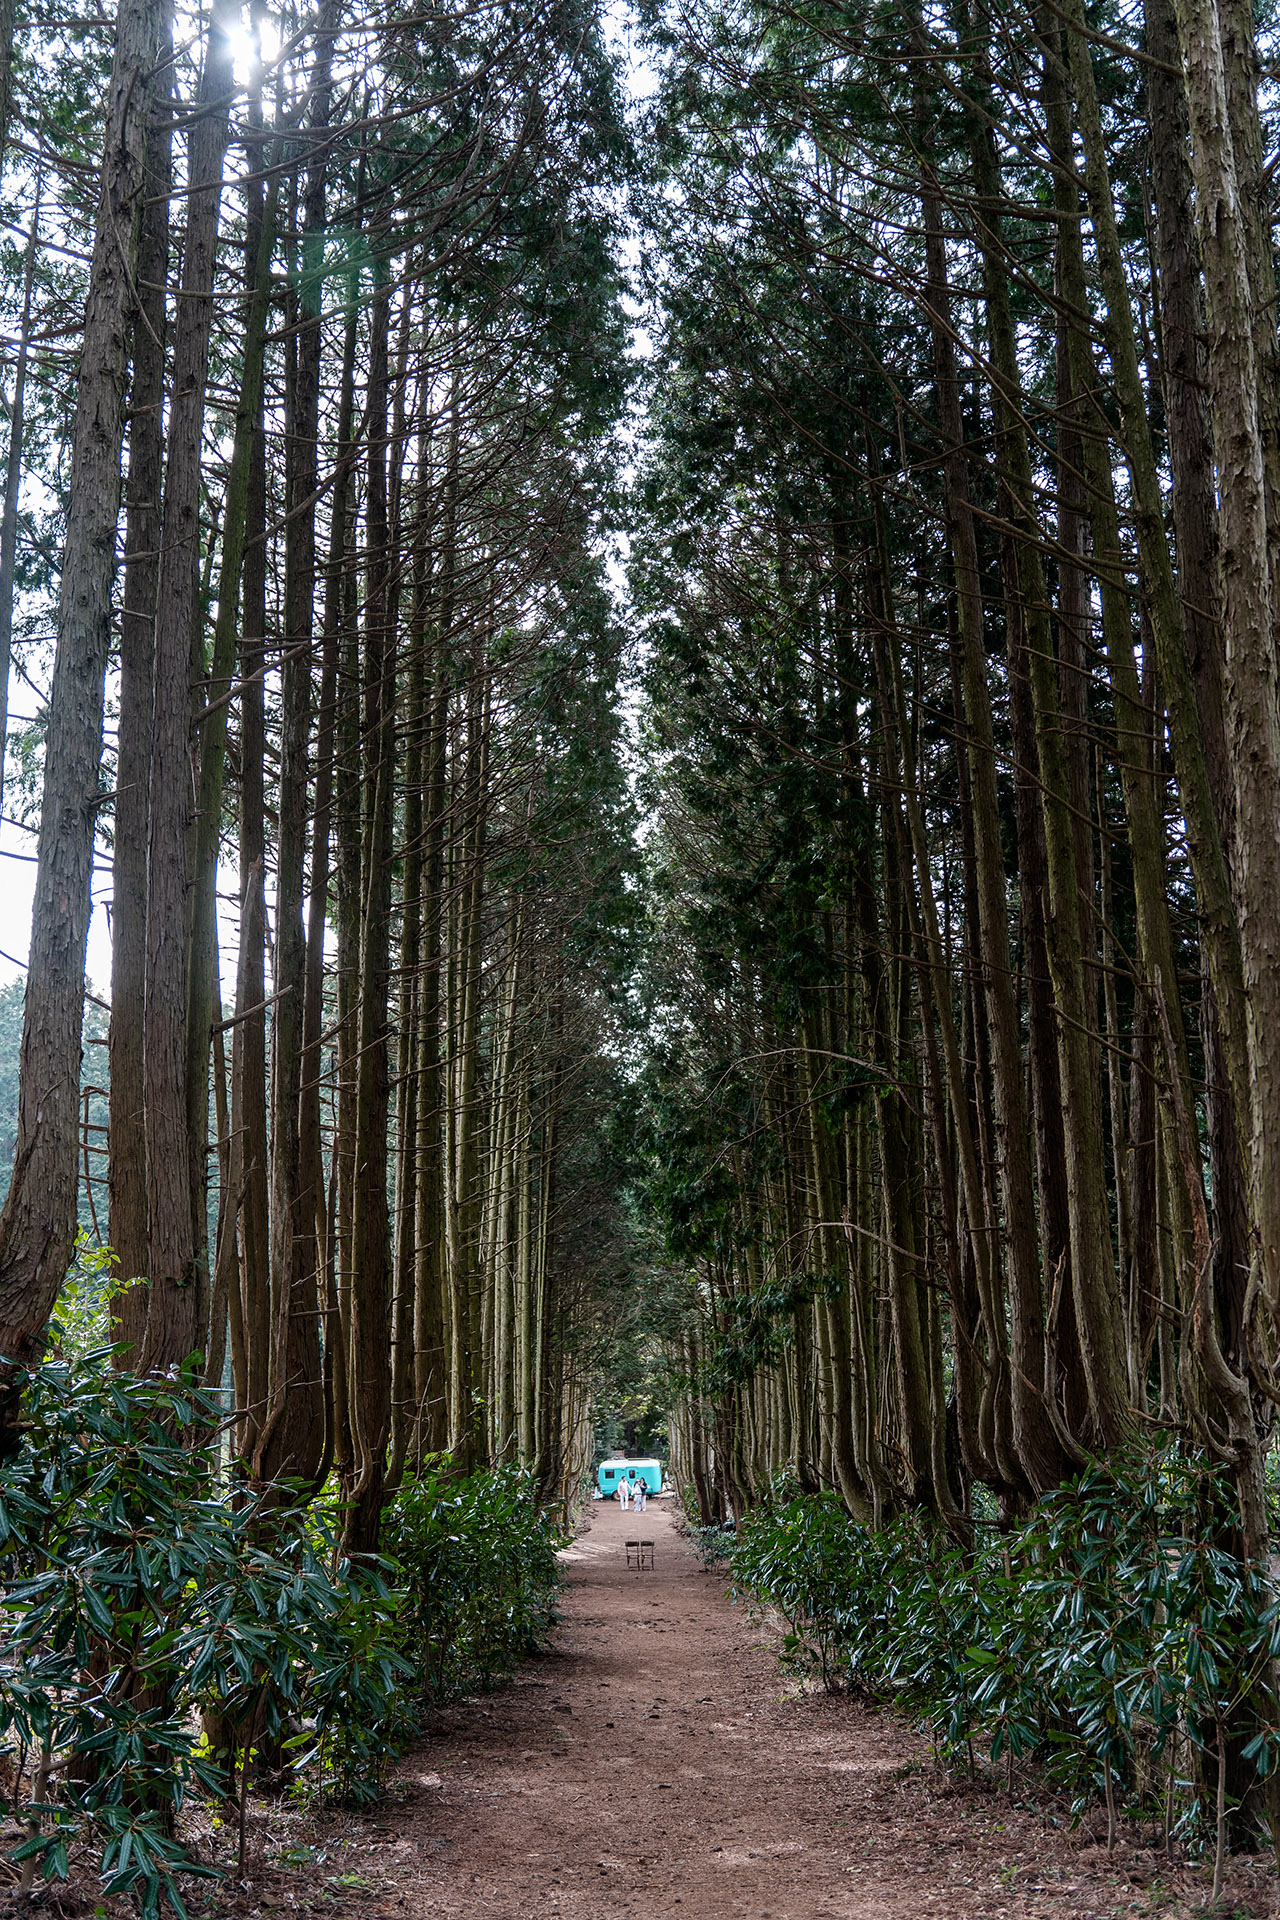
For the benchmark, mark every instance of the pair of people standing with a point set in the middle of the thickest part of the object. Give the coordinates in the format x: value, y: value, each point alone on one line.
x: 629, y: 1491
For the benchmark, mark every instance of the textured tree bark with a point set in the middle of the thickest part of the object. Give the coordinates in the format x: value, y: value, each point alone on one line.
x: 1191, y: 452
x: 322, y: 826
x: 7, y: 24
x: 1195, y: 520
x: 854, y: 1336
x: 177, y: 1298
x: 1159, y: 976
x: 1143, y: 1280
x: 409, y: 1059
x: 38, y: 1223
x: 404, y: 559
x: 126, y: 1131
x: 430, y: 1323
x: 922, y: 922
x: 897, y: 1195
x: 466, y: 1196
x: 1099, y: 1324
x: 1244, y: 82
x: 1036, y: 1446
x: 17, y: 411
x: 212, y: 722
x: 347, y: 776
x: 929, y: 968
x: 1146, y: 833
x: 1220, y: 931
x: 226, y: 1224
x: 370, y: 1400
x: 1065, y: 1384
x: 1242, y: 945
x: 833, y: 1323
x: 503, y: 1104
x: 968, y: 1338
x: 551, y: 1119
x: 525, y: 1338
x: 1136, y: 1353
x: 293, y: 1440
x: 431, y: 1302
x: 1221, y: 116
x: 246, y: 1285
x: 249, y: 1046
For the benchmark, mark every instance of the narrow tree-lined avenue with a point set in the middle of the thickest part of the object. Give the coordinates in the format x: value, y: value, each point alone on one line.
x: 656, y: 1767
x: 658, y: 631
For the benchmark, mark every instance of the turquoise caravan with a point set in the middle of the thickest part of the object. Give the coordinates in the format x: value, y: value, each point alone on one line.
x: 611, y: 1473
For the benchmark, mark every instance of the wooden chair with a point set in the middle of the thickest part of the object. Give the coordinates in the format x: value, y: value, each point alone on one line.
x: 640, y: 1555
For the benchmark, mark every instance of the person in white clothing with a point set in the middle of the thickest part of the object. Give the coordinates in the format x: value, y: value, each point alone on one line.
x: 624, y: 1494
x: 641, y: 1495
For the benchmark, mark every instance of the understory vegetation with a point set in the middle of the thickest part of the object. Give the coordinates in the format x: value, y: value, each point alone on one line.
x: 166, y: 1636
x: 475, y: 1562
x: 1106, y: 1638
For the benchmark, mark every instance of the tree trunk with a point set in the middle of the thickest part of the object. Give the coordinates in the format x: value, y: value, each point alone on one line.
x: 13, y: 464
x: 371, y: 1250
x: 212, y: 722
x: 1099, y: 1327
x: 293, y: 1442
x: 327, y: 770
x: 126, y: 1136
x: 177, y: 1300
x: 38, y: 1223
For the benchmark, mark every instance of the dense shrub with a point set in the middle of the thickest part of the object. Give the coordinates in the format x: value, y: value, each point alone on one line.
x: 1112, y: 1636
x: 146, y: 1600
x: 140, y: 1595
x: 475, y: 1557
x: 713, y: 1545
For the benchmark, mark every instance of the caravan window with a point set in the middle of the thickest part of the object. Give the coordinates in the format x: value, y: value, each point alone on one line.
x: 610, y: 1473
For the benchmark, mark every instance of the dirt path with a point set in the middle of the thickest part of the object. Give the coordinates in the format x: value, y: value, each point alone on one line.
x: 654, y: 1766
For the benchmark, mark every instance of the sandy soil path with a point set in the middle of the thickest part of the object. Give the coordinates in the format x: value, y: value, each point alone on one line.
x: 654, y: 1765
